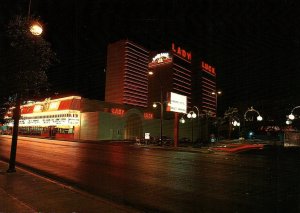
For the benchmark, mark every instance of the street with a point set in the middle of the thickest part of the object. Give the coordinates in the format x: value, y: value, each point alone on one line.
x: 162, y: 180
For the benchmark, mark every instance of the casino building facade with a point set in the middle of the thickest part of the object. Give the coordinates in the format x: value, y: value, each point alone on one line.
x: 127, y: 111
x: 77, y: 118
x: 205, y: 88
x: 170, y: 71
x: 126, y: 74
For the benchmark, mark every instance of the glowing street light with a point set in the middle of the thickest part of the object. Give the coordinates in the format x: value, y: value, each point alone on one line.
x: 36, y: 29
x: 216, y: 93
x: 258, y: 118
x: 192, y: 115
x: 291, y: 116
x: 288, y: 122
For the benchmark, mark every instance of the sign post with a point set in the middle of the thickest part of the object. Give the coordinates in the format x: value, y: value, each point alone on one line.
x: 178, y: 104
x: 176, y: 130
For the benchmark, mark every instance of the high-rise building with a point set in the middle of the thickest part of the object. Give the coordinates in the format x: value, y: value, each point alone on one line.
x: 171, y: 73
x: 127, y: 74
x: 208, y: 95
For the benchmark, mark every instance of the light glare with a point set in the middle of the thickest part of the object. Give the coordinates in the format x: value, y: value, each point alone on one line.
x: 36, y: 29
x: 291, y: 116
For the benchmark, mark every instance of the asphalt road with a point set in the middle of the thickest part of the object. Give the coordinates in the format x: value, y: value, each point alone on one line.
x: 158, y: 180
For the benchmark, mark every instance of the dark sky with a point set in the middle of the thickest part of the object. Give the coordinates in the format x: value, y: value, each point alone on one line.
x: 254, y: 44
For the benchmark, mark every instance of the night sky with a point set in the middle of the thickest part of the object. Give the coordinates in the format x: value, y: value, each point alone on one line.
x: 254, y: 45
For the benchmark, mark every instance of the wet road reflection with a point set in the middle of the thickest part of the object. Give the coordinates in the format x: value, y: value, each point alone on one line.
x: 171, y: 181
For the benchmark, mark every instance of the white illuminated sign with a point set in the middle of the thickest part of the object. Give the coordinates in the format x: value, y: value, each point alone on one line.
x: 160, y: 58
x: 147, y: 136
x: 178, y: 103
x: 38, y: 108
x: 44, y: 122
x: 54, y: 105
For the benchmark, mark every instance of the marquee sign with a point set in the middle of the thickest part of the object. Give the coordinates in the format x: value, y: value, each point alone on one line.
x: 207, y: 68
x: 182, y: 53
x: 45, y: 122
x: 159, y: 59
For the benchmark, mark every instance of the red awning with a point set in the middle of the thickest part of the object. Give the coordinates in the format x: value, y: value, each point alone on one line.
x: 27, y: 109
x: 72, y: 104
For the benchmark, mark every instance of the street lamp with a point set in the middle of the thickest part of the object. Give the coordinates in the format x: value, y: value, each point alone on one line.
x: 258, y: 118
x: 161, y: 117
x: 192, y: 115
x: 161, y: 105
x: 36, y: 30
x: 236, y: 123
x: 216, y: 93
x: 291, y: 116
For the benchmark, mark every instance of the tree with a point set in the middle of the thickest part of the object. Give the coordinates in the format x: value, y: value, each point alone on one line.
x: 229, y: 114
x: 27, y: 60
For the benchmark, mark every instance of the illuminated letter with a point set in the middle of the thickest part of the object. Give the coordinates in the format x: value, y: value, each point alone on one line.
x: 183, y: 53
x: 173, y: 48
x: 189, y: 56
x: 178, y: 51
x: 213, y: 71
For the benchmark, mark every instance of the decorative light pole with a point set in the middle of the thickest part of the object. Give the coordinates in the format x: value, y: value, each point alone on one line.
x: 291, y: 116
x: 191, y: 115
x: 251, y: 110
x: 258, y: 118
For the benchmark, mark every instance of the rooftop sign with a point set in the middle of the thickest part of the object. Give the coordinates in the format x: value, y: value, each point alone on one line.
x: 207, y: 68
x: 182, y: 53
x: 161, y: 58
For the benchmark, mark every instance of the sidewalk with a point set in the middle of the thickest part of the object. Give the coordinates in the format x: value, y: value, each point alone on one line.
x: 24, y: 191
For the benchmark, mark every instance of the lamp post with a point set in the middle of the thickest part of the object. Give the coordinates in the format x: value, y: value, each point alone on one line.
x: 161, y: 117
x: 259, y: 118
x: 36, y: 30
x: 251, y: 109
x: 291, y: 116
x: 191, y: 115
x: 216, y: 93
x: 236, y: 123
x: 161, y: 103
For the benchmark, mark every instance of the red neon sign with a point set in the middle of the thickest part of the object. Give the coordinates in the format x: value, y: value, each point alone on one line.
x: 207, y: 68
x: 117, y: 111
x: 148, y: 115
x: 182, y: 52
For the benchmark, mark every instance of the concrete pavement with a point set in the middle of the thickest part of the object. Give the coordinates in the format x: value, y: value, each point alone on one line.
x: 24, y: 191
